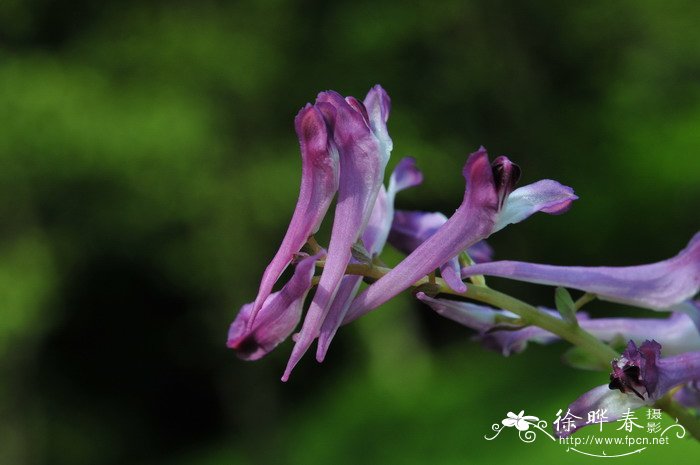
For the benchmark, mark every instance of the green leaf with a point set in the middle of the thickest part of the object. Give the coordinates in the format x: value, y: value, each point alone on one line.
x: 565, y: 305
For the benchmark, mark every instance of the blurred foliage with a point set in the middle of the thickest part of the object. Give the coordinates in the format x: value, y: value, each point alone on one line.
x: 148, y: 167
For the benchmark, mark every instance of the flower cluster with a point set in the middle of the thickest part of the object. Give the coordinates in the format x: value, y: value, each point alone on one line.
x: 345, y: 148
x: 640, y: 376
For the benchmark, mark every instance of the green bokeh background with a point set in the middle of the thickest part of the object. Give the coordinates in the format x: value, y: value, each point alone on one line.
x: 148, y: 168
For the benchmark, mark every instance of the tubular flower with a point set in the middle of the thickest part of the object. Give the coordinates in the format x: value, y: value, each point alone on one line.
x: 277, y: 318
x: 677, y: 333
x: 485, y: 203
x: 319, y: 182
x: 639, y: 377
x: 411, y: 228
x: 359, y: 132
x: 405, y: 175
x: 665, y: 285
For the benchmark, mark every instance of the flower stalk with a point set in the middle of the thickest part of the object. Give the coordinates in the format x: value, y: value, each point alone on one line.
x: 530, y: 314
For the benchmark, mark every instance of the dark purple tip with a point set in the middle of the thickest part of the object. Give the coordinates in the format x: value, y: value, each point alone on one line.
x: 636, y: 371
x: 358, y: 107
x: 505, y: 176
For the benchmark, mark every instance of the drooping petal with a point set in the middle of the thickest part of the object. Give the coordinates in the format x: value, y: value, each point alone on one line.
x: 546, y: 196
x: 657, y: 286
x: 472, y: 221
x: 362, y: 162
x: 405, y: 175
x: 319, y: 182
x: 277, y: 318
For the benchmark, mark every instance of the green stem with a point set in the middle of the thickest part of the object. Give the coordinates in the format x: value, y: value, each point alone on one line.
x: 583, y: 300
x: 532, y: 315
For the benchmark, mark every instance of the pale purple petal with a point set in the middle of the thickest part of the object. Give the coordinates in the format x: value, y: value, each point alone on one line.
x: 481, y: 252
x: 450, y: 272
x: 639, y: 377
x: 472, y: 221
x: 405, y: 175
x: 378, y: 106
x: 543, y: 196
x: 412, y: 228
x: 277, y: 318
x: 319, y: 182
x: 657, y: 286
x: 375, y: 233
x: 483, y: 319
x: 362, y: 163
x: 677, y: 333
x: 349, y: 286
x: 478, y: 317
x: 689, y: 394
x: 615, y: 404
x: 677, y: 370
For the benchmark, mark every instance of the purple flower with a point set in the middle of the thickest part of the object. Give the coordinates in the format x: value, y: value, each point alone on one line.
x: 359, y: 132
x: 319, y: 182
x: 485, y: 203
x: 639, y: 377
x: 411, y: 228
x: 277, y: 318
x: 405, y: 175
x: 677, y: 333
x: 664, y: 285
